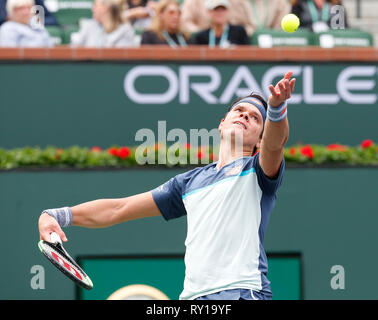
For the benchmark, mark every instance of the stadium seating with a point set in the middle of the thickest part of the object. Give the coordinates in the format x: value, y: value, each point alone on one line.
x: 344, y: 38
x: 69, y: 13
x: 267, y: 38
x: 56, y: 34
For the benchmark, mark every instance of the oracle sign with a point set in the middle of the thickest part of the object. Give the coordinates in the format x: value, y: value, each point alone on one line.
x: 354, y: 84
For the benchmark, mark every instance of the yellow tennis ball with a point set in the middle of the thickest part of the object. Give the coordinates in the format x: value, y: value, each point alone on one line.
x: 290, y: 23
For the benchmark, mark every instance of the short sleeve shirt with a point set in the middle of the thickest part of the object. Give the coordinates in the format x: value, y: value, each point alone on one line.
x: 227, y: 210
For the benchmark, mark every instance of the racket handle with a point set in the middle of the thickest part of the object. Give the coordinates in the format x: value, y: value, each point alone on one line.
x: 54, y: 238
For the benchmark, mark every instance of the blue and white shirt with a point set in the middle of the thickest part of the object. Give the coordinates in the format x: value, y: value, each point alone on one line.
x: 227, y: 211
x: 14, y: 34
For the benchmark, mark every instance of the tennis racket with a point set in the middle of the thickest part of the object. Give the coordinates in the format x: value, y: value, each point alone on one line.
x: 59, y: 257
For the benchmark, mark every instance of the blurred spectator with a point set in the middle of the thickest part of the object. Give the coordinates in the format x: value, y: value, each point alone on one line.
x: 251, y: 14
x: 221, y: 33
x: 267, y: 14
x: 316, y: 14
x: 50, y: 20
x: 165, y: 28
x: 195, y: 16
x: 139, y: 13
x: 106, y: 29
x: 18, y: 31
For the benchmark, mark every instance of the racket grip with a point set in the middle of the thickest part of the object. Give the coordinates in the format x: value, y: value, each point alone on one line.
x: 54, y: 238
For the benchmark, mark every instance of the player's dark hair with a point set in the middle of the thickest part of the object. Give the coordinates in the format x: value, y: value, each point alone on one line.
x: 258, y: 97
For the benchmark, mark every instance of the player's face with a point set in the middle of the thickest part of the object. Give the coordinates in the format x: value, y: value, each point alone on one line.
x: 244, y: 121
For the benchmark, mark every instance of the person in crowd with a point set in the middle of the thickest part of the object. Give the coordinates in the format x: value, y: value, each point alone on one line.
x: 251, y: 14
x: 49, y: 18
x: 318, y: 15
x: 165, y: 28
x: 106, y: 29
x: 19, y: 31
x: 267, y: 14
x: 139, y: 13
x: 221, y: 33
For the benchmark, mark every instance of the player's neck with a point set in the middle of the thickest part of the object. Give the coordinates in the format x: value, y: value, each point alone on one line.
x: 228, y: 153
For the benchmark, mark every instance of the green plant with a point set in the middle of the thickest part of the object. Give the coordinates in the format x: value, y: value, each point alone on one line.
x: 121, y: 156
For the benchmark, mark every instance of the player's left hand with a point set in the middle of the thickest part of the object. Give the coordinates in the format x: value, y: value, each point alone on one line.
x: 282, y: 91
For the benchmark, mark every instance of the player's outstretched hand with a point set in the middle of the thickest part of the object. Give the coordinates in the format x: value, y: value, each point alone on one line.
x: 282, y: 91
x: 47, y: 225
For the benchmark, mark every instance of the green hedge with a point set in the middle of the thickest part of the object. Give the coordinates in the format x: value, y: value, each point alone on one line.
x: 121, y: 156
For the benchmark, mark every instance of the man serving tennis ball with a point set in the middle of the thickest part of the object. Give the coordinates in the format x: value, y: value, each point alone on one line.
x: 227, y: 203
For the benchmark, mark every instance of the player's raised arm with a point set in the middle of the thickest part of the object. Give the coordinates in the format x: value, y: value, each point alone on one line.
x: 97, y: 214
x: 276, y: 132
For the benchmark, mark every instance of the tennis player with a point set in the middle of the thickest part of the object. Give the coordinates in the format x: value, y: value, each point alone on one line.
x: 227, y: 203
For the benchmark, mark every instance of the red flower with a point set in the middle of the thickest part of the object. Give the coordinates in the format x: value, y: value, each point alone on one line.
x: 307, y: 151
x: 203, y: 152
x: 187, y: 146
x: 113, y: 151
x: 366, y: 143
x: 96, y: 149
x: 58, y: 153
x: 211, y: 157
x: 337, y: 147
x: 292, y: 151
x: 124, y: 152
